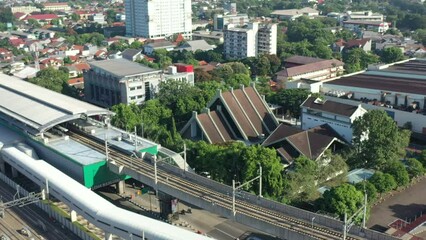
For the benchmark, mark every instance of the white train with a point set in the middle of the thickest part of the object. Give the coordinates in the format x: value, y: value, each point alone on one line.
x: 100, y: 212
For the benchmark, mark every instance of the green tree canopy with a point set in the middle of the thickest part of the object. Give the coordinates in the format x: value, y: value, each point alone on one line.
x: 369, y: 188
x: 342, y: 199
x: 384, y: 182
x: 391, y: 54
x: 415, y: 168
x: 357, y: 59
x: 378, y: 139
x: 51, y: 78
x: 290, y: 100
x: 397, y: 169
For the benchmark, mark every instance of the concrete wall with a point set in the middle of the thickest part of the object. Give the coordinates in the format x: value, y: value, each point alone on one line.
x: 201, y: 200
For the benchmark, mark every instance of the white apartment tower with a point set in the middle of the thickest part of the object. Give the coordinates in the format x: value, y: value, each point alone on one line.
x: 254, y: 40
x: 158, y: 18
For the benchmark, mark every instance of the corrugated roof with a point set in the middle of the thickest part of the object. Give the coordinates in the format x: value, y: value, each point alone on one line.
x: 310, y: 67
x: 122, y: 67
x: 39, y: 107
x: 330, y: 106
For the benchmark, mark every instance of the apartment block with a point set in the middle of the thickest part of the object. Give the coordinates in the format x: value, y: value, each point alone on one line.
x: 158, y: 19
x: 251, y: 41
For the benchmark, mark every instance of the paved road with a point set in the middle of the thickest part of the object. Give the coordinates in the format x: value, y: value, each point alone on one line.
x: 32, y: 217
x: 404, y: 205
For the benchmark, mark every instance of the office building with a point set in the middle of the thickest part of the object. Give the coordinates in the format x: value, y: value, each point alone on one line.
x: 115, y: 81
x: 157, y: 19
x: 251, y: 41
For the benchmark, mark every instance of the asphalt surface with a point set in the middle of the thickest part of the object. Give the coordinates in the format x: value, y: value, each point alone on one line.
x: 30, y: 217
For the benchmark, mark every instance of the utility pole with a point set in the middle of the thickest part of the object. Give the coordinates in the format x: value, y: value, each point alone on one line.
x: 365, y: 210
x: 184, y: 158
x: 344, y: 227
x: 233, y: 197
x: 106, y: 147
x: 260, y: 180
x: 136, y: 141
x: 244, y: 184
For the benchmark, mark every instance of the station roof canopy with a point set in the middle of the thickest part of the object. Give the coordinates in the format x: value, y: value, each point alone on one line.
x: 39, y: 107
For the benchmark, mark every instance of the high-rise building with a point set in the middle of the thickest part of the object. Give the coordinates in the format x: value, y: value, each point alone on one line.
x: 158, y: 18
x: 251, y: 41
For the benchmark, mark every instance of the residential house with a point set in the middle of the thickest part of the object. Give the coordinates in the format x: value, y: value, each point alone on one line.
x: 234, y: 115
x: 300, y: 67
x: 292, y: 14
x: 342, y: 45
x: 51, y: 62
x: 132, y: 54
x: 195, y: 45
x: 180, y: 72
x: 117, y: 54
x: 101, y: 55
x: 5, y: 55
x: 338, y: 116
x: 42, y: 18
x: 151, y: 47
x: 291, y: 142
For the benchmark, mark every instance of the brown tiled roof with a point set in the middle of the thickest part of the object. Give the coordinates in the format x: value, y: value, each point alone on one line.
x: 280, y: 134
x: 310, y: 67
x: 330, y: 106
x: 356, y: 42
x: 209, y: 128
x: 302, y: 59
x: 261, y: 108
x: 250, y: 111
x: 221, y: 125
x: 310, y: 143
x: 238, y: 114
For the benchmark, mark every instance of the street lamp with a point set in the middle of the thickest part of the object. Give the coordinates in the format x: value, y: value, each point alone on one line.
x: 312, y: 222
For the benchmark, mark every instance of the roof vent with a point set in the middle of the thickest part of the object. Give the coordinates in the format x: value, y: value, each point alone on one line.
x: 320, y: 101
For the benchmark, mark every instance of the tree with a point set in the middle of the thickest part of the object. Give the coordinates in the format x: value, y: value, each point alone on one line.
x: 202, y: 76
x: 51, y: 78
x: 6, y: 15
x: 422, y: 158
x: 378, y: 140
x: 415, y: 168
x: 237, y: 80
x: 342, y: 199
x: 384, y: 182
x: 75, y: 17
x: 263, y: 66
x: 391, y: 54
x: 300, y: 183
x: 397, y: 169
x: 369, y: 188
x: 357, y: 60
x: 67, y: 60
x: 290, y: 100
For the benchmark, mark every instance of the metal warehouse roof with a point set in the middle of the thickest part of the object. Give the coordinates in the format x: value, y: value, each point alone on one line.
x: 38, y: 107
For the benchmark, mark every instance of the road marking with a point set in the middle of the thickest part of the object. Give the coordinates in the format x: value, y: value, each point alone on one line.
x: 225, y: 233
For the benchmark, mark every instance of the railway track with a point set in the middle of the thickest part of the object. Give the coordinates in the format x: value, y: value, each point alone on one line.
x: 223, y: 200
x: 11, y: 224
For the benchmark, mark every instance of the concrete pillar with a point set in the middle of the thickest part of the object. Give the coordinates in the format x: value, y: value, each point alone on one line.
x: 120, y: 187
x: 165, y: 204
x: 73, y: 215
x: 2, y: 167
x: 14, y: 172
x: 108, y: 236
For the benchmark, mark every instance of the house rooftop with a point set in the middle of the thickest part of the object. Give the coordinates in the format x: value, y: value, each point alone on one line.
x: 122, y: 67
x: 310, y: 67
x: 291, y: 12
x: 329, y: 106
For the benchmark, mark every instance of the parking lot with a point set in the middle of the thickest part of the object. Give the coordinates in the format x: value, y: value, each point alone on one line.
x: 404, y: 205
